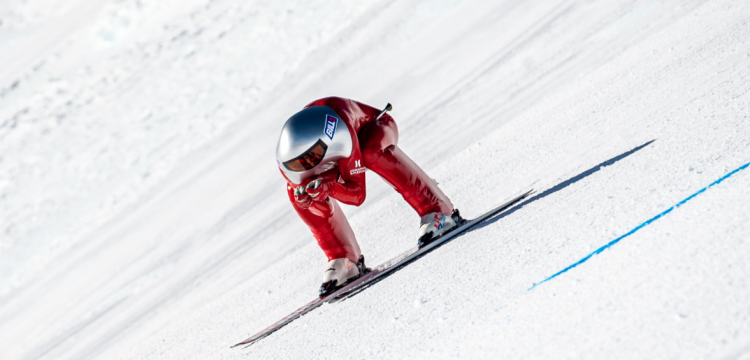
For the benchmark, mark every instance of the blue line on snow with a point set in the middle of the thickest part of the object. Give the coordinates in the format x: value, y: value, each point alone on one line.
x: 649, y: 221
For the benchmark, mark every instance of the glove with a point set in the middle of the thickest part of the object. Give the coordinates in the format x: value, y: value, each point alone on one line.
x: 302, y: 198
x: 320, y: 189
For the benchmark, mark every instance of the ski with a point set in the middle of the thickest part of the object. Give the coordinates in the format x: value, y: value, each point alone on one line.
x: 382, y: 271
x: 407, y: 257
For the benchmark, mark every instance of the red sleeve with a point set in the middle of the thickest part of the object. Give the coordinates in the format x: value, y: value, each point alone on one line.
x: 351, y: 188
x: 319, y: 102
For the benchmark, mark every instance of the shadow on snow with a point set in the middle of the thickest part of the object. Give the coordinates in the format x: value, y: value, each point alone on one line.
x: 558, y: 187
x: 519, y: 206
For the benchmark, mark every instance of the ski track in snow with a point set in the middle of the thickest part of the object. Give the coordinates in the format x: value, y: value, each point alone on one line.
x: 143, y: 216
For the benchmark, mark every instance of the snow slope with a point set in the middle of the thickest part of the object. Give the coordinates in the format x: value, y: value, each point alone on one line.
x: 143, y: 216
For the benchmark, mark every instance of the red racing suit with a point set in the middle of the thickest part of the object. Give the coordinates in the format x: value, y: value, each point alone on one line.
x: 374, y: 147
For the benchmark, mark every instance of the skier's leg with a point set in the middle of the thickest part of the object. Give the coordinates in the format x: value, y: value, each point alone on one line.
x: 336, y: 238
x: 332, y: 231
x: 381, y: 154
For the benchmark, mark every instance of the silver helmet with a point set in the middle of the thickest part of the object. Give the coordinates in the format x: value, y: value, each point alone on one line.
x: 311, y: 142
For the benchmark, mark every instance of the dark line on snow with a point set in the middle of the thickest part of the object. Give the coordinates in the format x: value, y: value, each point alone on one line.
x: 561, y: 185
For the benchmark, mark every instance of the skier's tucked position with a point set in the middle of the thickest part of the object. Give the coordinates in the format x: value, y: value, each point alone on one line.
x: 323, y: 152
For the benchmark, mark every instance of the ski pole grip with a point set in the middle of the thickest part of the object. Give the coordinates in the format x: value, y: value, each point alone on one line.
x: 388, y: 108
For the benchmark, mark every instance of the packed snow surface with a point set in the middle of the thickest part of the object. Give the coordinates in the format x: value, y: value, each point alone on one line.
x: 142, y: 215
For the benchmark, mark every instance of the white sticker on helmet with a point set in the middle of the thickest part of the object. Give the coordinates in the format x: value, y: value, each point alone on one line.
x: 330, y: 128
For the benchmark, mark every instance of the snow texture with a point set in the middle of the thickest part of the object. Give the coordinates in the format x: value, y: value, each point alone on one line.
x: 142, y: 215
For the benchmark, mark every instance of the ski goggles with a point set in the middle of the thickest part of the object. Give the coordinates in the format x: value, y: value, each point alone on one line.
x: 309, y: 159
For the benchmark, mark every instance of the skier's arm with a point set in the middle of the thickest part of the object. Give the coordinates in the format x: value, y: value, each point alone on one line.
x: 349, y: 187
x: 350, y: 192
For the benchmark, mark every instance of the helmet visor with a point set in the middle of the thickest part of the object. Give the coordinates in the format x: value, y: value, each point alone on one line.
x: 309, y: 159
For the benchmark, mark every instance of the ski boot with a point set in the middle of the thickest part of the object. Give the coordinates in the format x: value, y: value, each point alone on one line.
x: 435, y: 224
x: 340, y: 272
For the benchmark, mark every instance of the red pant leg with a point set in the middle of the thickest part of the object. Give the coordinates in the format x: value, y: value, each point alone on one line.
x: 332, y: 231
x: 378, y: 142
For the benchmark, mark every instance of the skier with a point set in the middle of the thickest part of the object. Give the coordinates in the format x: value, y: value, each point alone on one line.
x: 323, y: 153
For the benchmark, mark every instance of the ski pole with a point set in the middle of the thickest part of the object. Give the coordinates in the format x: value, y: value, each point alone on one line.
x: 388, y: 108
